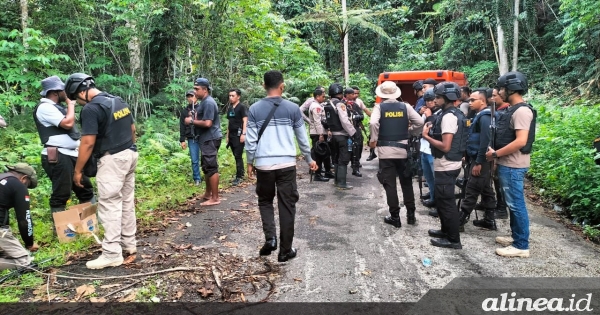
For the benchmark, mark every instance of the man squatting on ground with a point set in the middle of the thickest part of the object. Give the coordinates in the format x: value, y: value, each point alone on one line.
x: 389, y: 134
x: 273, y: 154
x: 14, y: 194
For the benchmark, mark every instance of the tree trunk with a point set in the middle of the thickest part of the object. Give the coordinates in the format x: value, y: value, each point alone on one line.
x: 515, y: 47
x: 503, y: 54
x: 135, y: 58
x: 24, y: 16
x: 345, y: 28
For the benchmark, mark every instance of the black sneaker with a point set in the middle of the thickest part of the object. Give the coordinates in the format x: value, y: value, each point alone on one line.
x: 395, y: 221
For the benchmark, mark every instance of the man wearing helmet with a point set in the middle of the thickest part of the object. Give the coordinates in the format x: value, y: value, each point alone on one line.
x: 448, y: 141
x: 108, y: 134
x: 60, y: 136
x: 512, y: 148
x: 390, y: 133
x: 341, y: 128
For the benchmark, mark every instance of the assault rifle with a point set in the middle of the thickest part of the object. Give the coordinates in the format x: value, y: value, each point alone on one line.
x: 414, y: 158
x: 24, y: 269
x: 493, y: 140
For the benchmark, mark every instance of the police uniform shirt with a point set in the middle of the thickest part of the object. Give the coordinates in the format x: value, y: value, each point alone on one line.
x: 449, y: 125
x: 521, y: 120
x: 49, y: 115
x: 315, y: 114
x: 360, y: 104
x: 94, y: 120
x: 304, y: 107
x: 464, y: 107
x: 344, y: 120
x: 393, y: 152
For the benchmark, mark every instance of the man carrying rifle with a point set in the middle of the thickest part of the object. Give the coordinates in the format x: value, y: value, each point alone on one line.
x: 480, y: 180
x: 430, y: 110
x: 390, y: 133
x: 356, y: 117
x: 14, y: 194
x: 187, y: 131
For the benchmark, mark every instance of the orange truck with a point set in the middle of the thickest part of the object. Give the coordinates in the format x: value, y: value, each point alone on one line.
x: 405, y: 80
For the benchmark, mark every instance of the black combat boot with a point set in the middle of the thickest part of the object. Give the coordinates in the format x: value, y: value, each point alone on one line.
x: 410, y: 217
x: 372, y: 155
x: 320, y: 178
x: 329, y: 175
x: 501, y: 213
x: 393, y: 220
x: 463, y: 218
x: 479, y: 206
x: 488, y: 221
x: 341, y: 174
x: 433, y: 212
x: 356, y: 171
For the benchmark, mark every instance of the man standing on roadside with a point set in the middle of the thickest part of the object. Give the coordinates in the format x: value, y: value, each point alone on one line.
x: 512, y: 150
x: 108, y: 132
x: 209, y: 137
x: 273, y: 123
x: 60, y: 136
x: 318, y: 136
x: 237, y: 115
x: 188, y: 132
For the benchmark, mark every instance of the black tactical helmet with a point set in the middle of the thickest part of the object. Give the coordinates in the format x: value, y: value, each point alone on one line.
x: 450, y: 90
x: 321, y: 150
x: 429, y: 95
x: 418, y: 85
x: 514, y: 80
x: 335, y: 89
x: 76, y: 82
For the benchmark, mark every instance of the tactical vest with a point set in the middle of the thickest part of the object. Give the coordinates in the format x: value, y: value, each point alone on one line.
x: 459, y: 140
x: 354, y: 108
x: 116, y: 136
x: 475, y: 133
x: 333, y: 119
x: 47, y: 132
x: 506, y: 135
x: 393, y: 124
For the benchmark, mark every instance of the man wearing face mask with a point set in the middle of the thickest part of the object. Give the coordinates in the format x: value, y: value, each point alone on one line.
x: 60, y: 136
x: 14, y: 194
x: 108, y: 133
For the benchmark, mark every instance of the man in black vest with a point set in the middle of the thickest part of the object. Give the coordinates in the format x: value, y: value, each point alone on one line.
x: 480, y: 170
x: 389, y: 134
x: 338, y: 123
x: 356, y: 116
x: 60, y: 137
x: 108, y: 133
x: 512, y: 152
x: 448, y: 139
x: 14, y: 194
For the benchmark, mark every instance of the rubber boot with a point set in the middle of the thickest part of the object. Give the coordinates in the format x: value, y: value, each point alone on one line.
x: 410, y: 217
x: 463, y: 218
x: 488, y: 221
x: 341, y: 174
x: 335, y: 178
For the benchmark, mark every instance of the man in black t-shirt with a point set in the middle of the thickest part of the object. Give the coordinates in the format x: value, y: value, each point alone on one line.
x: 108, y: 132
x: 14, y: 194
x: 237, y: 114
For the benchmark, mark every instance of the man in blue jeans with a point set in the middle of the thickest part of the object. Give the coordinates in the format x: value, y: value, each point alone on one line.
x: 429, y: 112
x: 188, y: 132
x: 512, y: 148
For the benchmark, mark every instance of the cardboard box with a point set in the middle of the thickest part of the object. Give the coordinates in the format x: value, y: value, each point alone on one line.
x: 76, y: 220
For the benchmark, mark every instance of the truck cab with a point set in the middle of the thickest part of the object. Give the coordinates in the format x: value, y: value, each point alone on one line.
x: 405, y: 79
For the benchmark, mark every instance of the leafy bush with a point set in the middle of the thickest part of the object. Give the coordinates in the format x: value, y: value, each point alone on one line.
x: 562, y: 160
x: 482, y: 74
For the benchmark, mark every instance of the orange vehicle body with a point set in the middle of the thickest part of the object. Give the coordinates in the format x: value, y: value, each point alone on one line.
x: 405, y: 80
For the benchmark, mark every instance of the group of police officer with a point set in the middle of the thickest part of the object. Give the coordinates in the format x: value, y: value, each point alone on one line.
x: 487, y: 145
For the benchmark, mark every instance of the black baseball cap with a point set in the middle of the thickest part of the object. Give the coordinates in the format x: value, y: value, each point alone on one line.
x: 190, y: 92
x: 202, y: 82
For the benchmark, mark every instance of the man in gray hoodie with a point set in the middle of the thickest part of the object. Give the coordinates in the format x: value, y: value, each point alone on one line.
x: 273, y: 154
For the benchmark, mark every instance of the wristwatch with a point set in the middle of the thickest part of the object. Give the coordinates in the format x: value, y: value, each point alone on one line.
x: 494, y: 155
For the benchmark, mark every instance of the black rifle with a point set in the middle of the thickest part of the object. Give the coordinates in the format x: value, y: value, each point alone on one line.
x: 25, y: 269
x: 493, y: 140
x: 414, y: 162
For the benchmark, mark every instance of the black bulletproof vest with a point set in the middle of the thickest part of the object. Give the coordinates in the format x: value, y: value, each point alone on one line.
x: 47, y: 132
x: 506, y: 135
x: 393, y: 124
x: 333, y: 120
x: 459, y: 140
x: 116, y: 135
x: 357, y: 111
